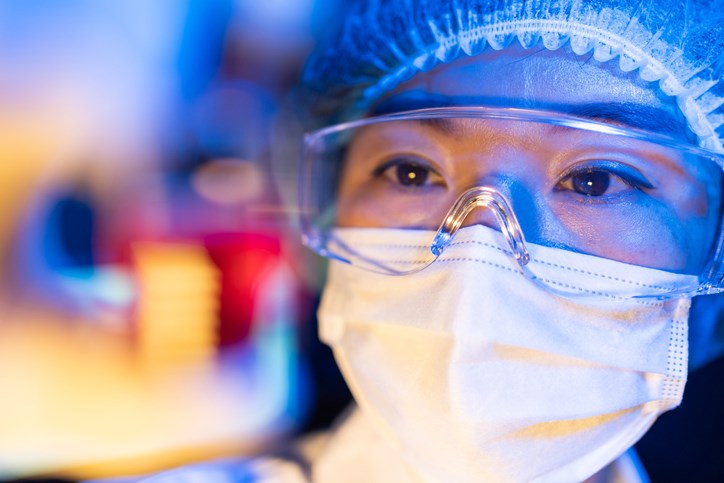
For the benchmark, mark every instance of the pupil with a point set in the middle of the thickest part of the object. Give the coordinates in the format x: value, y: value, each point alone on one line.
x: 411, y: 175
x: 591, y: 183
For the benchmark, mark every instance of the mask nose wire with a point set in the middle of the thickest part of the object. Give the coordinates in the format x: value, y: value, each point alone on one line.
x: 492, y: 199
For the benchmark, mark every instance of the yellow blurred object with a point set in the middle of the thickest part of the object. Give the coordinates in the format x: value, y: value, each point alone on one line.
x: 178, y: 292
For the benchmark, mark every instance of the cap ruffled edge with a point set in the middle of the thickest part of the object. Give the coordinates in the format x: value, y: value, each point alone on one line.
x: 553, y: 34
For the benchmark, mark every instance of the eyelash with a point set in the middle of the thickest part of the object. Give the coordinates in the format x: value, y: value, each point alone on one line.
x: 628, y: 175
x: 596, y: 178
x: 402, y: 160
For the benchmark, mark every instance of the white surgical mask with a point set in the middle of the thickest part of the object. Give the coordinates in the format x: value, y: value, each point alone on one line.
x: 476, y: 374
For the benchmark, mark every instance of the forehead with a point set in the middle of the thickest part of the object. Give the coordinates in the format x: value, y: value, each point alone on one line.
x: 540, y: 79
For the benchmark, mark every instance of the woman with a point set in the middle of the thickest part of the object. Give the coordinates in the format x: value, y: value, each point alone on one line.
x: 520, y: 200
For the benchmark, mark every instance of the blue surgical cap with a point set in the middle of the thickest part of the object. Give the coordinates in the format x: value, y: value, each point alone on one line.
x: 381, y: 43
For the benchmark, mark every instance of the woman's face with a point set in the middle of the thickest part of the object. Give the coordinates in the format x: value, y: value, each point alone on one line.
x: 627, y: 200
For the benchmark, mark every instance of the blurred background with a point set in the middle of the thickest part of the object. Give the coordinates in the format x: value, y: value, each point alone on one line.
x: 156, y: 309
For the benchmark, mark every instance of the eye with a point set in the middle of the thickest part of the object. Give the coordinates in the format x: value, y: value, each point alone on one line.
x: 603, y: 178
x: 409, y: 172
x: 590, y: 182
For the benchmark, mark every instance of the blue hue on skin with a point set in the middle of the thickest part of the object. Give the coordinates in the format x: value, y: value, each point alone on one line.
x: 621, y: 226
x: 624, y: 114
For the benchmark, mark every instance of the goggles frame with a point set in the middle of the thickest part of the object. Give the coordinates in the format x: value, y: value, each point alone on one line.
x: 711, y: 279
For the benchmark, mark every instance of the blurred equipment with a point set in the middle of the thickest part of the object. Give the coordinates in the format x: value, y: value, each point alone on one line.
x: 150, y: 305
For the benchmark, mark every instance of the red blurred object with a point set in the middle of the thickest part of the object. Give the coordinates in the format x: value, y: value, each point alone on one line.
x: 243, y: 259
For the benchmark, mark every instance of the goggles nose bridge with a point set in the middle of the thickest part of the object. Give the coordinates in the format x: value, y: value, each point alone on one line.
x: 487, y: 198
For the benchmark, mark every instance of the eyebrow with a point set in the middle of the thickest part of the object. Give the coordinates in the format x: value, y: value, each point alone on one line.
x: 624, y: 114
x: 632, y: 115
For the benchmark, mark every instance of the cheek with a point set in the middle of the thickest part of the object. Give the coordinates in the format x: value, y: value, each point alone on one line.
x: 696, y: 205
x: 368, y: 205
x: 648, y: 234
x: 352, y: 203
x: 702, y: 226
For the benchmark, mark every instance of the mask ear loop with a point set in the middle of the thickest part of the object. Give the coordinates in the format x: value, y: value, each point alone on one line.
x: 482, y: 196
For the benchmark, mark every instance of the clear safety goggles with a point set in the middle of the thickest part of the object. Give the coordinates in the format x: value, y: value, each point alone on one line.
x: 539, y: 178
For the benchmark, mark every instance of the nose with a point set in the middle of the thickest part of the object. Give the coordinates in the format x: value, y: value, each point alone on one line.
x: 479, y: 212
x: 490, y: 208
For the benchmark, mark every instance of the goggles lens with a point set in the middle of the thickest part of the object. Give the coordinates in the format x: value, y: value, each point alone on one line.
x: 541, y: 179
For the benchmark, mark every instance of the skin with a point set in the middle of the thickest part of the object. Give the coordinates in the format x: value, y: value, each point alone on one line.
x: 653, y: 208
